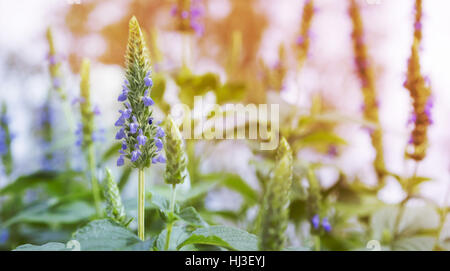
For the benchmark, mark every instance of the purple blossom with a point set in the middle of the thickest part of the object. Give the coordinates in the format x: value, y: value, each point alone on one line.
x: 159, y: 159
x: 120, y: 134
x: 148, y: 82
x: 120, y: 122
x: 315, y: 221
x: 120, y: 161
x: 158, y: 144
x: 142, y: 139
x: 160, y: 132
x: 124, y: 145
x: 150, y: 120
x: 134, y: 126
x: 326, y: 224
x: 135, y: 155
x: 147, y: 100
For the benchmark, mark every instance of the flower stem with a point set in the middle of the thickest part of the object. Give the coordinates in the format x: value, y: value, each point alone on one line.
x: 171, y: 217
x: 141, y: 205
x: 94, y: 182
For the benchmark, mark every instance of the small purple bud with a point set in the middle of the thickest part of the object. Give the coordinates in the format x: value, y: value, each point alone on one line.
x: 150, y: 120
x: 159, y: 159
x: 134, y: 126
x: 160, y: 132
x: 120, y: 134
x: 120, y: 161
x: 326, y: 224
x: 120, y: 122
x: 184, y: 14
x: 122, y: 97
x: 158, y: 144
x: 142, y: 139
x: 135, y: 155
x: 148, y: 82
x: 124, y: 145
x: 315, y: 221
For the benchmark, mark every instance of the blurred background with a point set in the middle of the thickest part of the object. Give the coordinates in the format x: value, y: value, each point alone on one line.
x: 98, y: 30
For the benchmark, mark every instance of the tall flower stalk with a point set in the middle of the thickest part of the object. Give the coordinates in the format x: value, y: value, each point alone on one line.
x: 176, y: 167
x: 367, y: 79
x: 275, y: 213
x: 420, y: 93
x: 56, y: 77
x: 5, y: 141
x: 86, y: 131
x: 141, y: 137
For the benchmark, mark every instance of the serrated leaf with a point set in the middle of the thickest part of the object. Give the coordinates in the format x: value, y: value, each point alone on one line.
x: 223, y: 236
x: 105, y: 235
x: 191, y: 217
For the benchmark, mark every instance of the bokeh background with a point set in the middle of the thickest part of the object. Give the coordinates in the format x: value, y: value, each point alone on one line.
x: 98, y: 30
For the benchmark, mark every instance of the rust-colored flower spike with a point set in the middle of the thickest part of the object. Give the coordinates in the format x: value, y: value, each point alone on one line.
x: 303, y: 39
x: 418, y: 21
x: 420, y: 93
x: 367, y: 78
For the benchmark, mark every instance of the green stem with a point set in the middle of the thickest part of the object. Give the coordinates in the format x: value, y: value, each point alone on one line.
x: 94, y: 181
x: 171, y: 217
x: 141, y: 205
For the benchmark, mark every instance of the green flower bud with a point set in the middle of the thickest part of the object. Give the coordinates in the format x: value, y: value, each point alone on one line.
x: 176, y: 167
x: 114, y: 207
x: 275, y: 213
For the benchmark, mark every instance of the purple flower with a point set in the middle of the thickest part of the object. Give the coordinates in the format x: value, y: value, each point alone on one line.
x: 315, y: 221
x: 326, y: 224
x: 150, y: 120
x: 120, y: 122
x: 126, y: 114
x: 147, y: 100
x: 123, y: 96
x: 135, y: 155
x: 134, y: 126
x: 159, y: 159
x: 120, y: 134
x: 120, y: 161
x: 148, y: 82
x: 160, y: 132
x: 158, y: 144
x: 142, y: 139
x: 124, y: 145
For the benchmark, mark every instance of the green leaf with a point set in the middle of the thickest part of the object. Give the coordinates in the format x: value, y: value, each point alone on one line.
x: 39, y: 178
x: 52, y: 246
x: 223, y: 236
x: 236, y: 183
x: 177, y: 236
x: 52, y: 213
x: 191, y: 217
x: 105, y: 235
